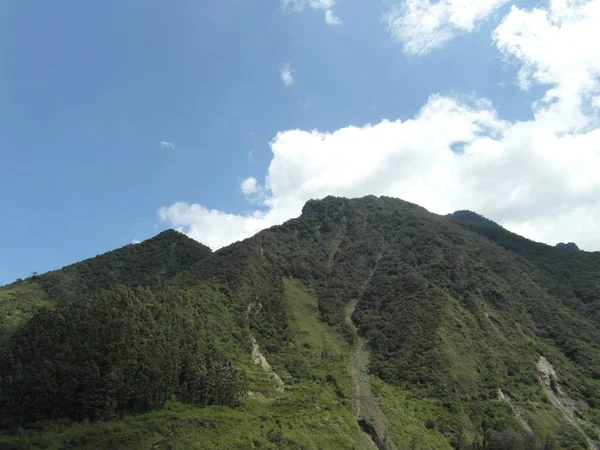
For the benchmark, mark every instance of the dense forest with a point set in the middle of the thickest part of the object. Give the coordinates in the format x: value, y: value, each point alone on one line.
x: 367, y: 321
x: 117, y: 351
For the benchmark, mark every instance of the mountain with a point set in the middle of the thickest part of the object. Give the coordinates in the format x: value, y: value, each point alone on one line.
x: 567, y: 246
x: 146, y: 264
x: 470, y: 216
x: 364, y: 323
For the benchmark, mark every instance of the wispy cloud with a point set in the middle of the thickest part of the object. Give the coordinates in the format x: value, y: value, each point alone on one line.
x: 292, y: 5
x: 286, y: 74
x: 165, y: 144
x: 326, y: 5
x: 136, y: 241
x: 331, y: 18
x: 422, y: 26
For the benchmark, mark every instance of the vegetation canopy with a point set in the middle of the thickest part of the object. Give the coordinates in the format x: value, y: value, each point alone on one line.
x: 363, y: 323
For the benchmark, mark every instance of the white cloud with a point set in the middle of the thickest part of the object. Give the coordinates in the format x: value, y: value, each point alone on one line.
x: 557, y: 47
x: 249, y: 186
x: 135, y: 242
x: 322, y: 4
x: 165, y: 144
x: 211, y: 227
x: 326, y: 5
x: 538, y: 177
x: 331, y: 18
x: 423, y: 26
x: 286, y: 75
x: 292, y: 5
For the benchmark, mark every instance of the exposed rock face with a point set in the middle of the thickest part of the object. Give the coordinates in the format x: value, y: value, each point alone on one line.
x: 559, y: 399
x: 261, y: 361
x: 516, y: 410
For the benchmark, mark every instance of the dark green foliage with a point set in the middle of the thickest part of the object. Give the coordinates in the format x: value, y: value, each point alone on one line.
x: 572, y: 276
x: 471, y: 216
x: 253, y: 285
x: 147, y: 264
x: 512, y: 440
x: 117, y: 351
x: 453, y: 309
x: 18, y: 302
x: 567, y: 246
x: 443, y: 309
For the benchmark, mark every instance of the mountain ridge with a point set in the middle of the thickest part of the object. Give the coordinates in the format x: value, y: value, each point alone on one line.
x: 451, y: 312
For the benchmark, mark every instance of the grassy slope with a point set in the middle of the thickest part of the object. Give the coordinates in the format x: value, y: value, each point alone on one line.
x: 314, y: 412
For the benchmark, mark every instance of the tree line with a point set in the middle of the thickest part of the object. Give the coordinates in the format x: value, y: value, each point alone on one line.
x: 118, y: 351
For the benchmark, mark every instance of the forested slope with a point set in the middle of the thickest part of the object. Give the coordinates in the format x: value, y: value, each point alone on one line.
x: 146, y: 264
x: 476, y: 338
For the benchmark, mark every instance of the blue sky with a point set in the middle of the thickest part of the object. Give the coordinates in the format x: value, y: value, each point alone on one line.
x: 88, y: 91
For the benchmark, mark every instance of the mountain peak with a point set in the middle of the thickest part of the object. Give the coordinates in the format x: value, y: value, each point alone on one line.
x: 470, y: 216
x: 456, y: 313
x: 149, y: 263
x: 173, y: 236
x: 572, y: 246
x: 333, y: 203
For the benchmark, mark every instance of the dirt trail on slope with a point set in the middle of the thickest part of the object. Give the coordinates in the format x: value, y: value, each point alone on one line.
x: 559, y: 399
x: 261, y: 361
x: 369, y: 416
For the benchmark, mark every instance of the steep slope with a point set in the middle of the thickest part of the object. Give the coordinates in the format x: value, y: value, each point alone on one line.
x: 470, y: 216
x: 572, y: 276
x: 146, y: 264
x: 120, y: 351
x: 448, y: 313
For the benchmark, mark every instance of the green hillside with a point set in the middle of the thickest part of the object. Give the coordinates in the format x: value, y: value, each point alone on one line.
x: 364, y: 323
x: 149, y: 263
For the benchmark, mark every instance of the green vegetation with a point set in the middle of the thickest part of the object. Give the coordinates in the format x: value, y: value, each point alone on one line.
x: 262, y: 424
x: 119, y: 351
x: 147, y: 264
x: 314, y: 354
x: 567, y: 246
x: 473, y: 217
x: 312, y: 412
x: 571, y: 276
x: 18, y: 303
x: 456, y: 313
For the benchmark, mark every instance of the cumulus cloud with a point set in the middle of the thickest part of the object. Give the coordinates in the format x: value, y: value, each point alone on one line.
x: 249, y: 186
x: 324, y: 5
x: 556, y: 47
x: 212, y: 227
x: 287, y: 76
x: 422, y: 25
x: 165, y: 144
x: 538, y: 177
